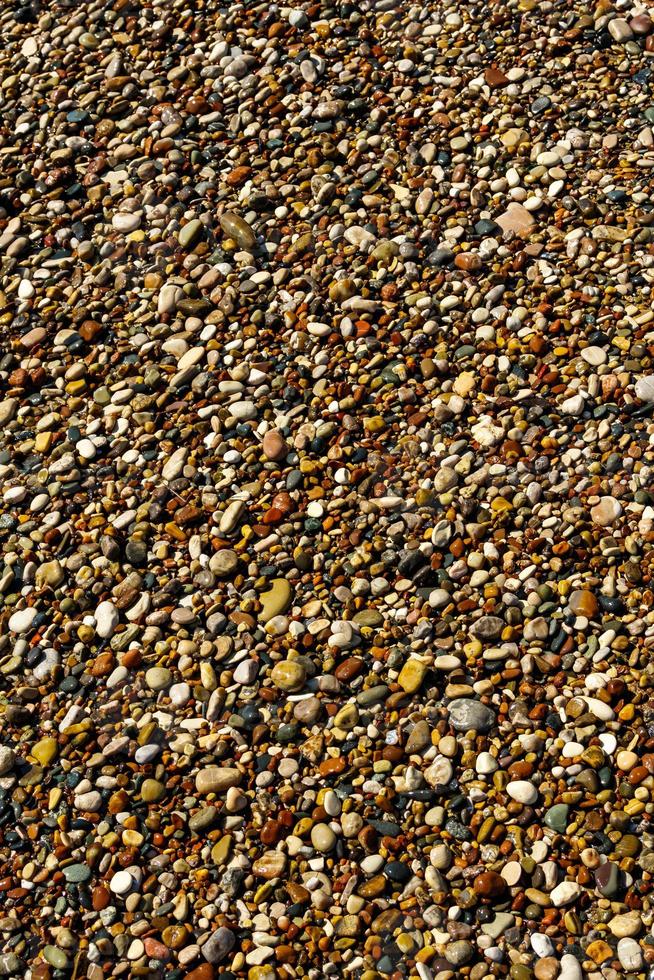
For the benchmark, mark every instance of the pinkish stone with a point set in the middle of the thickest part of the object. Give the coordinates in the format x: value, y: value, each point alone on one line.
x: 274, y: 445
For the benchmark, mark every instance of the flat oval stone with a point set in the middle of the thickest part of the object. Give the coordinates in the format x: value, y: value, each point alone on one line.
x: 158, y: 678
x: 237, y: 228
x: 215, y: 779
x: 274, y: 445
x: 76, y: 873
x: 190, y: 233
x: 522, y: 791
x: 21, y: 621
x: 218, y: 945
x: 465, y: 714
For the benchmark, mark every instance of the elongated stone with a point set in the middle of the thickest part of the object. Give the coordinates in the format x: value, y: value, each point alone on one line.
x: 237, y: 228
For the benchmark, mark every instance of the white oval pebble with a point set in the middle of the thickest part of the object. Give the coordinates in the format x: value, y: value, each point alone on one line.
x: 522, y: 791
x: 22, y: 620
x: 121, y: 883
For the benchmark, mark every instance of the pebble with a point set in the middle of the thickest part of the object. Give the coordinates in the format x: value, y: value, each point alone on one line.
x: 629, y: 954
x: 106, y: 619
x: 22, y: 621
x: 466, y: 714
x: 218, y: 945
x: 522, y: 791
x: 7, y: 759
x: 215, y: 779
x: 412, y: 675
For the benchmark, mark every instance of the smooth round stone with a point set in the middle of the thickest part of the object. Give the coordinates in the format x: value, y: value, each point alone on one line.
x: 147, y: 753
x: 626, y: 760
x: 351, y: 824
x: 512, y: 872
x: 323, y: 837
x: 50, y: 573
x: 274, y: 445
x: 190, y: 233
x: 86, y: 449
x: 607, y: 879
x: 619, y: 29
x: 122, y: 883
x: 556, y: 817
x: 489, y: 884
x: 56, y: 957
x: 570, y: 968
x: 419, y: 738
x: 76, y: 873
x: 158, y: 678
x: 179, y: 694
x: 498, y: 925
x: 288, y: 675
x: 90, y: 802
x: 22, y: 620
x: 594, y: 356
x: 439, y: 598
x: 583, y: 603
x: 331, y: 803
x: 372, y: 864
x: 152, y: 790
x: 485, y: 764
x: 277, y: 626
x: 522, y: 791
x: 307, y: 710
x: 45, y: 750
x: 536, y: 629
x: 348, y: 717
x: 224, y: 563
x: 606, y: 511
x: 641, y: 24
x: 459, y: 952
x: 542, y: 945
x: 270, y: 865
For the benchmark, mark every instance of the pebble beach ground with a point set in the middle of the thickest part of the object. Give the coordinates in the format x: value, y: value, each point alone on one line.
x: 326, y: 490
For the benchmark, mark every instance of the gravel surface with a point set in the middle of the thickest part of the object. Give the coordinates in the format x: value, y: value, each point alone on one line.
x: 326, y: 490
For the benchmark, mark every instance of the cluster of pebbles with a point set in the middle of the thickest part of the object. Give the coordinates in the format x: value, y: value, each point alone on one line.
x: 326, y: 482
